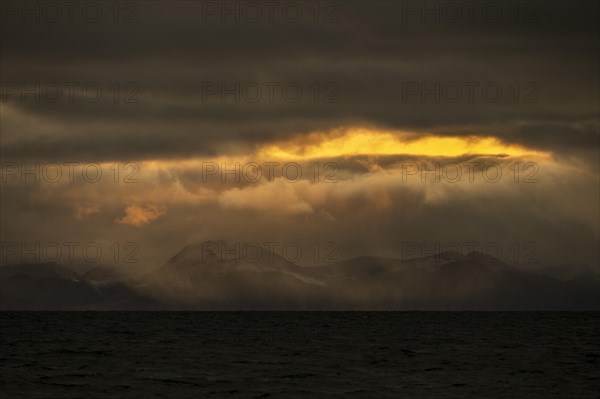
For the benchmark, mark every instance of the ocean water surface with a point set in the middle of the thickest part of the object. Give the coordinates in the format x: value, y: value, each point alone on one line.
x: 300, y: 354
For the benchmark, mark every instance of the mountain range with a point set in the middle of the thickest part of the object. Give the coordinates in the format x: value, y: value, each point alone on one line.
x: 195, y: 279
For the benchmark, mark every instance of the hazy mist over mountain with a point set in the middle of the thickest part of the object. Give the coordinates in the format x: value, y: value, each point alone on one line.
x: 205, y: 276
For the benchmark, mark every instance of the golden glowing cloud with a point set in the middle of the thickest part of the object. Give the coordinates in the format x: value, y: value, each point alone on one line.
x: 350, y: 142
x: 370, y: 142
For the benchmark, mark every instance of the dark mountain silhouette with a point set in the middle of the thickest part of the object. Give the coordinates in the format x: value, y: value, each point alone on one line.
x: 197, y: 278
x: 471, y: 282
x: 45, y: 287
x: 118, y: 291
x: 580, y: 274
x: 52, y: 287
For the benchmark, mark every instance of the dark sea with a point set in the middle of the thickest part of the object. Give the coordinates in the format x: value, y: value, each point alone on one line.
x: 300, y: 355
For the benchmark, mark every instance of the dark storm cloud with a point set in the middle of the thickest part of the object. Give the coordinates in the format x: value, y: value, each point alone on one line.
x: 374, y: 53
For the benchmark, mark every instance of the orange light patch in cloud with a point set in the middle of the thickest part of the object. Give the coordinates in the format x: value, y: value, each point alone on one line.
x: 352, y: 142
x: 138, y: 215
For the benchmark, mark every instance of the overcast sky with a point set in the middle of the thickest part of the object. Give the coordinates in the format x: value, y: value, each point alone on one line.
x: 373, y: 92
